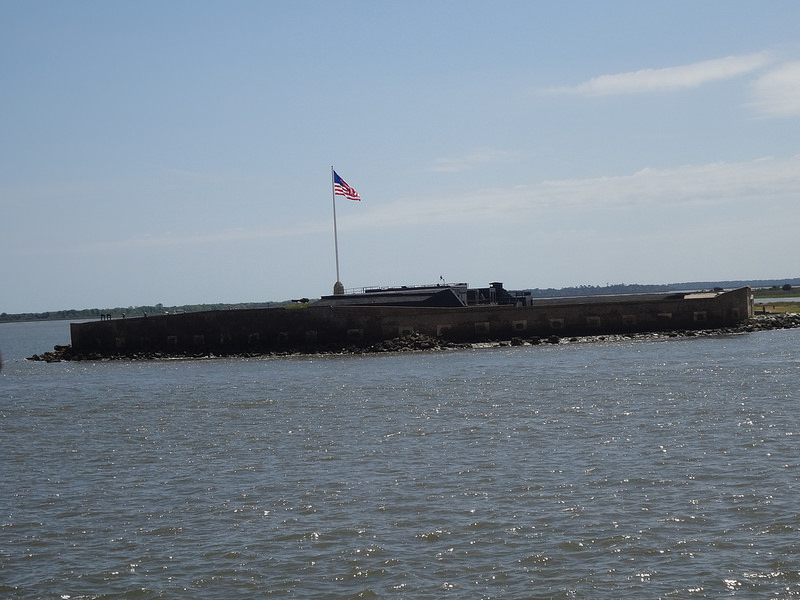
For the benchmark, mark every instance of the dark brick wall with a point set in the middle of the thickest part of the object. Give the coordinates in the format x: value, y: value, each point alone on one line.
x: 334, y: 328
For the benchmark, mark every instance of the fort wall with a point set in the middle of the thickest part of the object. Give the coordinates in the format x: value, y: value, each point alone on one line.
x: 333, y: 328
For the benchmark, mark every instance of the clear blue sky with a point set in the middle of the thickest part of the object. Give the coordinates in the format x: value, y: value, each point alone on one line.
x: 180, y: 152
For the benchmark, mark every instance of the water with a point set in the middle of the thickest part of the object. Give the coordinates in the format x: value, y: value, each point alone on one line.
x: 603, y: 470
x: 777, y: 300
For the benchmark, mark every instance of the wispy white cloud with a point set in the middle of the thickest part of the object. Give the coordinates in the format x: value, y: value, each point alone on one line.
x: 478, y: 157
x: 777, y: 92
x: 669, y: 78
x: 770, y: 182
x: 685, y: 186
x: 766, y: 180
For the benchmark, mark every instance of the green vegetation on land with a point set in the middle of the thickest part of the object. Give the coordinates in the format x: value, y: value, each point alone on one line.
x: 131, y: 311
x: 779, y: 307
x: 790, y: 305
x: 785, y: 291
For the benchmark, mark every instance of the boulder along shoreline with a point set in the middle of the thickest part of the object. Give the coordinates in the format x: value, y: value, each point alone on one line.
x: 419, y: 343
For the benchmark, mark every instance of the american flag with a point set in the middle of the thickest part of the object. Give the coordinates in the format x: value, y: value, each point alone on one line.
x: 340, y: 188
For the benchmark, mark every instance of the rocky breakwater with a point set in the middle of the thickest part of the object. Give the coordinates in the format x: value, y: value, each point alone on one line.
x: 413, y: 343
x: 416, y: 342
x: 59, y: 353
x: 767, y: 321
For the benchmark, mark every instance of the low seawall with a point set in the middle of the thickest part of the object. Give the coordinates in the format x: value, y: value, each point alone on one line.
x: 331, y: 328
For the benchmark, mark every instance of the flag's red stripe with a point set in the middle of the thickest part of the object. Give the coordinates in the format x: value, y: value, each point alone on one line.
x: 346, y: 191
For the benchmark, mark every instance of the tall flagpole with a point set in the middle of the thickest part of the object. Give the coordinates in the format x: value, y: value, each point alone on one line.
x: 338, y: 288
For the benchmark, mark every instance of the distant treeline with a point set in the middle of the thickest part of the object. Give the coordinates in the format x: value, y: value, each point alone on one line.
x: 627, y: 288
x: 131, y: 311
x: 583, y: 290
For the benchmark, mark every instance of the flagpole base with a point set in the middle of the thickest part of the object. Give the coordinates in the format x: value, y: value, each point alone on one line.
x: 338, y: 288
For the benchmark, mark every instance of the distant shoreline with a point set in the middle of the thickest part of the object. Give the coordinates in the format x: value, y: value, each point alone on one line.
x: 761, y: 289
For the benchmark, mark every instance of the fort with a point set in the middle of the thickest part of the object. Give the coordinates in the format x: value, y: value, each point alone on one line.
x: 452, y: 313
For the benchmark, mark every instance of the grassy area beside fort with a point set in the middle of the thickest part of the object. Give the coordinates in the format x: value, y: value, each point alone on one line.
x: 786, y: 299
x: 777, y: 307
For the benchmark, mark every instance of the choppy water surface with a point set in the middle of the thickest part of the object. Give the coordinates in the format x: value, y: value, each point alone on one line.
x: 615, y: 470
